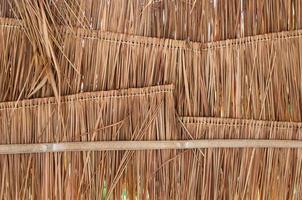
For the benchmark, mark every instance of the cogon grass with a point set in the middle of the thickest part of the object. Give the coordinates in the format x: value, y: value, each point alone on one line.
x: 242, y: 78
x: 130, y: 114
x: 110, y: 115
x: 202, y: 21
x: 256, y: 77
x: 240, y: 173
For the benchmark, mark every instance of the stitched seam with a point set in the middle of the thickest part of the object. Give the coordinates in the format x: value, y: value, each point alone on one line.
x: 203, y: 46
x: 88, y: 97
x: 241, y: 123
x: 206, y: 47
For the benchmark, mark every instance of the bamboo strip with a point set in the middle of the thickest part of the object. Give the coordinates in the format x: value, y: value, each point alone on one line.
x: 146, y: 145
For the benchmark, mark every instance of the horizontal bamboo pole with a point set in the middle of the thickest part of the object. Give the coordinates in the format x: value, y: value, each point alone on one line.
x: 146, y: 145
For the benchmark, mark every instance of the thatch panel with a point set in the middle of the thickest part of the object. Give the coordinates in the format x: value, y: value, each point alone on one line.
x: 244, y: 78
x: 156, y: 174
x: 252, y: 173
x: 131, y: 114
x: 203, y: 20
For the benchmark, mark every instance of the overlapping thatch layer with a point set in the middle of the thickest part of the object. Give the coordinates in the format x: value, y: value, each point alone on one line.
x: 132, y: 114
x: 68, y: 81
x: 240, y: 173
x: 202, y: 20
x: 256, y: 77
x: 141, y: 114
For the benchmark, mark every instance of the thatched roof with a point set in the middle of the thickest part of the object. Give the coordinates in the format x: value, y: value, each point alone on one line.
x: 150, y: 99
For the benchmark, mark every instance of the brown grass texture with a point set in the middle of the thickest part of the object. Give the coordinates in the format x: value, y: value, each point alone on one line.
x: 66, y: 67
x: 257, y: 77
x: 195, y: 20
x: 241, y: 173
x: 131, y: 114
